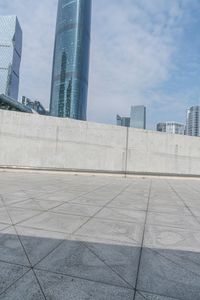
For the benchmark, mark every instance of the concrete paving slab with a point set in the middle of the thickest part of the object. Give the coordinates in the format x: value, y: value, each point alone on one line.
x: 104, y: 248
x: 171, y: 238
x: 59, y: 287
x: 162, y: 276
x: 121, y: 215
x: 26, y: 288
x: 55, y: 222
x: 146, y: 296
x: 38, y: 243
x: 63, y: 196
x: 3, y: 226
x: 11, y: 249
x: 85, y: 200
x: 40, y: 205
x: 9, y: 273
x: 169, y: 209
x: 123, y: 259
x: 4, y: 216
x: 73, y: 258
x: 113, y: 230
x: 130, y: 204
x: 77, y: 209
x: 18, y: 214
x: 178, y: 221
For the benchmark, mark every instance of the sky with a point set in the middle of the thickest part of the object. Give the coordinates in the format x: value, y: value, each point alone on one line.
x: 142, y: 52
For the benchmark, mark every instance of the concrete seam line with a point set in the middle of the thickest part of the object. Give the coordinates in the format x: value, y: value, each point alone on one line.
x: 126, y: 152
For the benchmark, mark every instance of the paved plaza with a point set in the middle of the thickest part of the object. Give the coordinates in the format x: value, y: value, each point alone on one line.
x: 80, y: 237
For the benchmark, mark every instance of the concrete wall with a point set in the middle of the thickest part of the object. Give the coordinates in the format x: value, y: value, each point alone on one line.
x: 35, y: 141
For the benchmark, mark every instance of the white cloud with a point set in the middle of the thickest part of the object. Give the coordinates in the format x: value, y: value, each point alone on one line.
x: 133, y: 48
x: 132, y: 51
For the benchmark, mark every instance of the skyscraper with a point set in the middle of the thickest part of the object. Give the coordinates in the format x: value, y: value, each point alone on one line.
x: 10, y: 55
x: 123, y: 121
x: 138, y: 117
x: 71, y: 59
x: 193, y: 121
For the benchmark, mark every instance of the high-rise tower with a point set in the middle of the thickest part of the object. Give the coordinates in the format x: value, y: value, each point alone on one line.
x: 193, y: 121
x: 71, y: 59
x: 138, y: 117
x: 10, y: 55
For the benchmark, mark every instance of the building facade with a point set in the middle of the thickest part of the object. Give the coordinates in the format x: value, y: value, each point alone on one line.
x: 71, y: 59
x: 138, y: 117
x: 171, y: 127
x: 161, y: 127
x: 8, y: 103
x: 193, y: 121
x: 10, y: 55
x: 123, y: 121
x: 34, y: 105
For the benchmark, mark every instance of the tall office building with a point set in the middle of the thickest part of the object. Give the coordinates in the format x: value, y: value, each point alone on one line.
x: 171, y: 127
x: 138, y: 117
x: 123, y: 121
x: 10, y: 55
x: 193, y: 121
x: 71, y: 59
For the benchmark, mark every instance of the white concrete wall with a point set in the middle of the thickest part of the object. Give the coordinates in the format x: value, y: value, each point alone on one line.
x: 155, y: 152
x: 28, y: 140
x: 35, y: 141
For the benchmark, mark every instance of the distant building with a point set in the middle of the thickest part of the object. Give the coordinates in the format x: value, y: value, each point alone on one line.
x: 138, y: 117
x: 71, y: 60
x: 10, y: 55
x: 8, y: 103
x: 161, y: 127
x: 171, y: 127
x: 34, y: 105
x: 123, y: 121
x: 193, y: 121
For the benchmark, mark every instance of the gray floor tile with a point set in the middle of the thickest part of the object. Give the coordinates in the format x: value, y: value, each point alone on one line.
x: 169, y: 209
x: 59, y: 196
x: 26, y: 288
x: 55, y: 222
x: 162, y: 237
x: 37, y: 204
x: 77, y: 209
x: 58, y: 287
x: 85, y: 200
x: 11, y: 249
x: 18, y: 215
x: 39, y: 243
x: 179, y: 221
x: 4, y: 217
x: 129, y: 204
x: 163, y: 276
x: 113, y: 230
x: 9, y: 273
x: 75, y: 259
x: 146, y: 296
x: 3, y: 226
x: 122, y: 215
x: 123, y: 259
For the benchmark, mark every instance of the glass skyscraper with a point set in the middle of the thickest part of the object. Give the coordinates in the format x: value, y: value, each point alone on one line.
x: 138, y: 117
x: 193, y: 121
x: 123, y: 121
x: 10, y: 55
x: 71, y: 59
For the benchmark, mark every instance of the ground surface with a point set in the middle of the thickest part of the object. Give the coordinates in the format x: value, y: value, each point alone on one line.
x: 99, y: 238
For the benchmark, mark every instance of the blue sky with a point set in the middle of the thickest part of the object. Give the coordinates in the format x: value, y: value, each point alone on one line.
x: 142, y: 52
